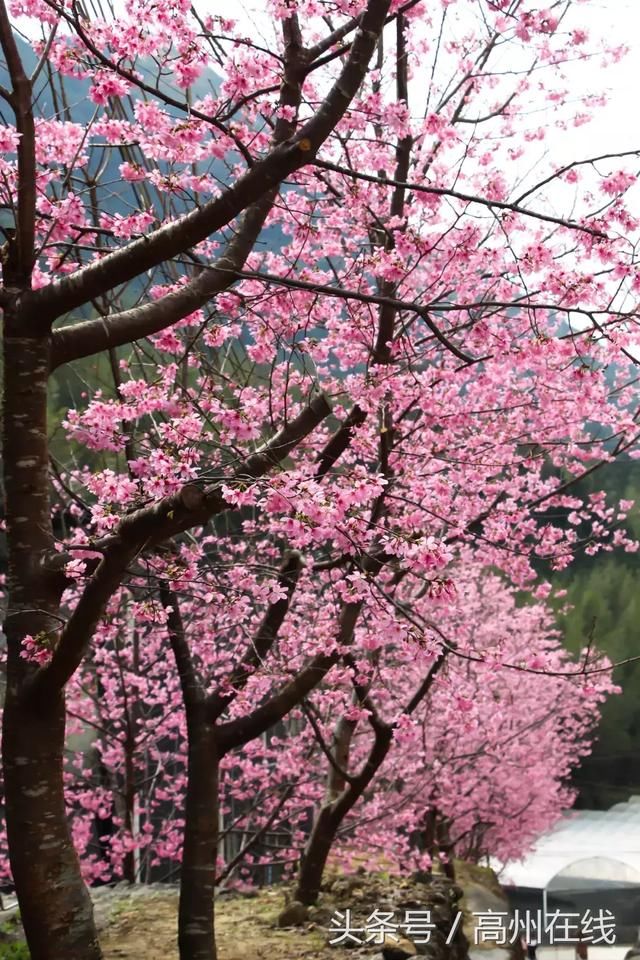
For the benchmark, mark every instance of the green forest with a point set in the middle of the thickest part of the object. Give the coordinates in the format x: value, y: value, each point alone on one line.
x: 603, y: 602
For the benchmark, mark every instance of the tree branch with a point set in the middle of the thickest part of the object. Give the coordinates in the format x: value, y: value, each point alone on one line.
x: 426, y: 684
x: 192, y: 691
x: 218, y: 701
x: 237, y: 732
x: 93, y: 336
x: 257, y: 836
x: 121, y: 266
x: 104, y: 333
x: 340, y: 441
x: 18, y: 266
x: 328, y: 752
x: 570, y: 166
x: 136, y: 80
x: 345, y: 294
x: 145, y: 529
x: 459, y: 195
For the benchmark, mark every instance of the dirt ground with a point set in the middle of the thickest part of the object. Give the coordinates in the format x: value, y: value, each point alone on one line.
x: 142, y: 925
x: 145, y: 929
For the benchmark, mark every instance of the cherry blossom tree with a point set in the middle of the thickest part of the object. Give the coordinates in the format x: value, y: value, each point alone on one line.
x: 481, y: 767
x: 470, y: 753
x: 327, y: 325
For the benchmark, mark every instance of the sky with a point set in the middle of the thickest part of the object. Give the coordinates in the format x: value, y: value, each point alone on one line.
x: 617, y: 126
x: 617, y: 21
x: 614, y: 128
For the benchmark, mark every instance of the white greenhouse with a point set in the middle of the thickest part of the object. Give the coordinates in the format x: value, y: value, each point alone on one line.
x: 590, y: 861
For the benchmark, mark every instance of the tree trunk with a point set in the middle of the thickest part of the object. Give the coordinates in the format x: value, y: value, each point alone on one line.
x: 446, y: 847
x: 323, y: 832
x: 196, y: 932
x: 429, y: 834
x: 316, y: 854
x: 340, y: 750
x: 54, y: 902
x: 331, y: 816
x: 55, y: 906
x: 129, y: 866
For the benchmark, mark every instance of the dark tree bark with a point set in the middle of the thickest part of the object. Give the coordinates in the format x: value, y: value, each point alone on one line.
x: 336, y: 806
x: 55, y: 906
x: 196, y: 928
x: 209, y: 740
x: 54, y: 903
x: 332, y: 813
x: 196, y: 925
x: 445, y: 847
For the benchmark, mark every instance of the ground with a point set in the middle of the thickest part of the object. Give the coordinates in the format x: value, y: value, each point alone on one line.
x: 140, y: 923
x: 145, y: 929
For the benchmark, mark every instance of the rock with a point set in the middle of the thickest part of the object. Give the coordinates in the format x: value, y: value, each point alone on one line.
x: 398, y: 949
x: 439, y: 896
x: 492, y: 953
x: 437, y: 948
x: 409, y: 903
x: 422, y: 876
x: 340, y: 890
x: 479, y: 899
x: 482, y: 900
x: 320, y: 915
x: 293, y: 915
x: 10, y: 926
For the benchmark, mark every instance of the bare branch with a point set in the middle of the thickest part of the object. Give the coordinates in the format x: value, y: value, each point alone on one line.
x: 570, y: 166
x: 18, y: 263
x: 45, y: 53
x: 192, y: 691
x: 345, y: 294
x: 513, y: 207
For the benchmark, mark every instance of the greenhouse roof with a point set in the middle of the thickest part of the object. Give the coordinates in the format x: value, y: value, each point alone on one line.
x: 600, y: 846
